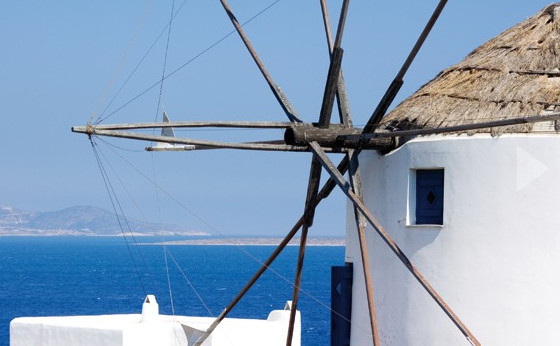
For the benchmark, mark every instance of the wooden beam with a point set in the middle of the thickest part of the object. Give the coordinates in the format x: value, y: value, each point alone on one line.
x: 457, y: 128
x: 335, y: 137
x: 346, y: 188
x: 315, y: 170
x: 203, y: 144
x: 308, y: 215
x: 297, y: 283
x: 327, y: 25
x: 341, y: 23
x: 252, y: 281
x: 188, y: 124
x: 431, y: 22
x: 356, y: 182
x: 397, y: 83
x: 323, y: 193
x: 187, y: 147
x: 282, y: 99
x: 355, y: 179
x: 330, y: 87
x: 342, y: 100
x: 333, y: 75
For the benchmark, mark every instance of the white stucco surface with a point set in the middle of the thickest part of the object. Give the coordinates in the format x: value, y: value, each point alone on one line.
x: 495, y: 260
x: 149, y: 328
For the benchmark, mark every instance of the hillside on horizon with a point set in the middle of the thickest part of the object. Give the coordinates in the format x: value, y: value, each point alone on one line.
x: 80, y: 220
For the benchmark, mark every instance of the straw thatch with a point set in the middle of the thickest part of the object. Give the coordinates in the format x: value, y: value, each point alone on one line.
x: 513, y: 75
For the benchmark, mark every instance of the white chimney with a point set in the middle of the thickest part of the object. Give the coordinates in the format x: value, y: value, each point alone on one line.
x: 150, y: 309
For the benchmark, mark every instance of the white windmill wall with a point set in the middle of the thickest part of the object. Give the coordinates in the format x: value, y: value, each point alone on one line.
x: 495, y: 260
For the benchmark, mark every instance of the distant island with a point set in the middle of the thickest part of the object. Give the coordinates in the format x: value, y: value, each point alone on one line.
x: 81, y: 221
x: 311, y: 241
x: 92, y: 221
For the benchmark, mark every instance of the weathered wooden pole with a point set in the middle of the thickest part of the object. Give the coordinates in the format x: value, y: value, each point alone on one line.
x: 280, y: 96
x: 315, y: 170
x: 355, y: 181
x: 345, y: 187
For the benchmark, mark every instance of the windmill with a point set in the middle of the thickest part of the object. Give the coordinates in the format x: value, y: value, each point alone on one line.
x: 321, y: 138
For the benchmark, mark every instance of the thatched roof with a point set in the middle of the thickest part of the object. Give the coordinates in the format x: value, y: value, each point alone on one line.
x: 513, y: 75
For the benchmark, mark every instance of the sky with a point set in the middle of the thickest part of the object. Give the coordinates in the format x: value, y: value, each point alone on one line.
x: 64, y: 61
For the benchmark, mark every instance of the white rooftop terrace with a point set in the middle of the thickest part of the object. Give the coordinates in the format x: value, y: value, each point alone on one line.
x: 151, y: 328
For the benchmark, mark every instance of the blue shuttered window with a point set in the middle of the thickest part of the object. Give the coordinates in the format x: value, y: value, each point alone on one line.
x: 429, y: 196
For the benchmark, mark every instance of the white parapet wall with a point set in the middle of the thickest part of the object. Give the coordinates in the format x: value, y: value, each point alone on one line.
x: 496, y: 258
x: 150, y: 328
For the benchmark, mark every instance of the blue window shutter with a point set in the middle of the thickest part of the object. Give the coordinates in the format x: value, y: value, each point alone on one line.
x: 429, y: 196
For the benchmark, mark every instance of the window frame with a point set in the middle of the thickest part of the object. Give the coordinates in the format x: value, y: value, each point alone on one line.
x: 412, y: 217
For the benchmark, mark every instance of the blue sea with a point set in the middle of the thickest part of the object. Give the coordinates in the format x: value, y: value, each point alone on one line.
x: 48, y: 276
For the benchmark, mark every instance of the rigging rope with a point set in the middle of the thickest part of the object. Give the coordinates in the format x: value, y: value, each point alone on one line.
x: 132, y: 199
x: 160, y: 82
x: 188, y: 62
x: 123, y: 186
x: 112, y: 194
x: 122, y: 60
x: 237, y: 246
x: 168, y: 280
x: 165, y: 60
x: 119, y: 147
x: 190, y: 283
x: 99, y: 118
x: 170, y: 25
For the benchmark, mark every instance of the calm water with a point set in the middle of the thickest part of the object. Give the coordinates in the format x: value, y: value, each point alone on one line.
x: 83, y: 276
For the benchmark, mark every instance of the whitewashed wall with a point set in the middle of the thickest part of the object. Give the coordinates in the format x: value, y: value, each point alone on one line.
x: 496, y: 259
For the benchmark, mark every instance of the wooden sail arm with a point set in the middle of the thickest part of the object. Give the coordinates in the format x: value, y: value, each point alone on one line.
x: 276, y: 90
x: 343, y: 108
x: 198, y: 143
x: 458, y: 128
x: 323, y: 193
x: 355, y: 180
x: 397, y: 83
x: 189, y: 124
x: 296, y: 137
x: 335, y: 136
x: 346, y: 188
x: 315, y: 169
